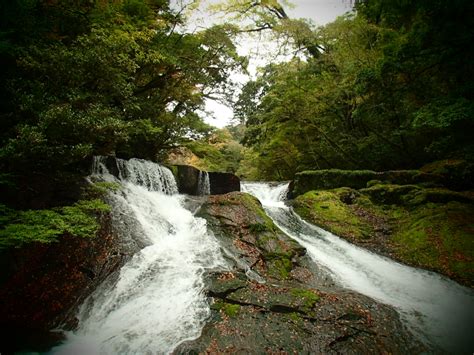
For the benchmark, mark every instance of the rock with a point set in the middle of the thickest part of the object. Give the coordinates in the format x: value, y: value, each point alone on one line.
x: 187, y: 179
x: 274, y: 300
x: 357, y: 179
x: 222, y: 183
x: 42, y: 284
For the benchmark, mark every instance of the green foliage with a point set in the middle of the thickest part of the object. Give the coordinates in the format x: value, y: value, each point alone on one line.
x: 220, y: 151
x: 104, y: 77
x: 45, y: 226
x: 391, y: 88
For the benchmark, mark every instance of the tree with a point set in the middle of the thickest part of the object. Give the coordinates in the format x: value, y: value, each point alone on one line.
x: 119, y: 78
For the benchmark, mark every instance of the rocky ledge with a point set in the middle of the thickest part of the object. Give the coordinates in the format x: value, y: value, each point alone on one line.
x: 273, y: 299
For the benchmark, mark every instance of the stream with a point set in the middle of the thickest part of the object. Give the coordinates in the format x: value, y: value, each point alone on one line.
x: 157, y: 300
x: 438, y: 310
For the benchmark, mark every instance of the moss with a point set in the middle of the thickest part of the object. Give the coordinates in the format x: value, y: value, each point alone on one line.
x: 325, y: 208
x: 252, y: 204
x: 258, y: 227
x: 282, y: 267
x: 174, y: 170
x: 439, y: 237
x: 47, y: 225
x: 389, y: 193
x: 331, y: 178
x: 373, y: 183
x: 308, y: 296
x: 357, y: 179
x: 231, y: 310
x: 438, y: 195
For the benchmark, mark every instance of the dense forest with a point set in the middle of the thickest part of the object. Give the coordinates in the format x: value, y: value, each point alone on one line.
x: 388, y: 86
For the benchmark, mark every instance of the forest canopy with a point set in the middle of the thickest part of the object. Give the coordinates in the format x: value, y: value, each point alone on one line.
x: 83, y: 78
x: 389, y: 88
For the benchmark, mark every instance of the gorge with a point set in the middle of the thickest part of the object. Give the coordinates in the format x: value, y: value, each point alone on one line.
x: 164, y: 297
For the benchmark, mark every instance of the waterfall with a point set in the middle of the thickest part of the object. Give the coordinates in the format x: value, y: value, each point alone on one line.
x: 152, y: 176
x: 157, y: 300
x: 438, y: 310
x: 204, y: 187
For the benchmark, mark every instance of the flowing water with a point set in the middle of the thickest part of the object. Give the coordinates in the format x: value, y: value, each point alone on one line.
x: 438, y: 310
x: 157, y: 301
x: 204, y: 186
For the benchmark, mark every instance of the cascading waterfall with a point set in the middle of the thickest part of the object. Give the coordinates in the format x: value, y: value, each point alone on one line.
x: 439, y: 310
x: 204, y: 186
x: 157, y: 301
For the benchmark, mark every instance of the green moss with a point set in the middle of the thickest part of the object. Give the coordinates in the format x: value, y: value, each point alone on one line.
x: 325, y: 208
x: 100, y: 189
x: 253, y: 205
x: 439, y: 237
x: 389, y: 193
x: 232, y: 310
x: 309, y: 297
x: 258, y: 227
x: 331, y: 178
x: 282, y: 267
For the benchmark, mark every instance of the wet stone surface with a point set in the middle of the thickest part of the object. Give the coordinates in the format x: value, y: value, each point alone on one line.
x: 275, y: 300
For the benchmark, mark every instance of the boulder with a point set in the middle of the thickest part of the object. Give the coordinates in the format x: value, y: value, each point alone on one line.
x: 187, y: 178
x: 222, y: 183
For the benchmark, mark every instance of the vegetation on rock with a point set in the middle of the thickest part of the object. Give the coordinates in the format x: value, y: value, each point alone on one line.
x: 426, y: 227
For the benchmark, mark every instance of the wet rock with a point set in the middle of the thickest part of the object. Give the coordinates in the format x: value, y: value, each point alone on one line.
x: 222, y: 183
x: 274, y: 300
x: 187, y: 179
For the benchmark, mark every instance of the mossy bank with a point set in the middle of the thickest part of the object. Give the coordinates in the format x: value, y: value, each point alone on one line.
x: 428, y: 227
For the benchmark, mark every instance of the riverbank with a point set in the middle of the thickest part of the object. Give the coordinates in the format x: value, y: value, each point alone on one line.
x: 427, y: 227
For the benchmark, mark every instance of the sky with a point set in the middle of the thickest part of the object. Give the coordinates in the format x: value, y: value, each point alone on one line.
x: 320, y: 12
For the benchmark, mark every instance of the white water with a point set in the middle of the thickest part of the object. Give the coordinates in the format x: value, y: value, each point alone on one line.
x: 204, y: 186
x: 437, y: 309
x: 157, y: 302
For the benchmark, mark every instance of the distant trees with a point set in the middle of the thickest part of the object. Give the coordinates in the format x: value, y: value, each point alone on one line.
x: 391, y: 89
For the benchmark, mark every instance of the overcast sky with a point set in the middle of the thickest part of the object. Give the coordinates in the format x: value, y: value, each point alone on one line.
x: 320, y: 12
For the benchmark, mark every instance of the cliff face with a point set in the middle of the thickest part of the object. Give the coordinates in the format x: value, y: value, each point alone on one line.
x: 44, y: 283
x: 275, y: 300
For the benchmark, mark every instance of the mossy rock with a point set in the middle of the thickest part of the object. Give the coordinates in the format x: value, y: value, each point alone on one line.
x: 414, y: 195
x: 357, y: 179
x: 246, y: 230
x: 389, y: 194
x: 456, y: 174
x: 438, y: 236
x: 329, y: 179
x: 330, y: 210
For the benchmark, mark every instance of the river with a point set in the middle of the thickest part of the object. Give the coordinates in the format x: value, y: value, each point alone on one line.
x: 438, y: 310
